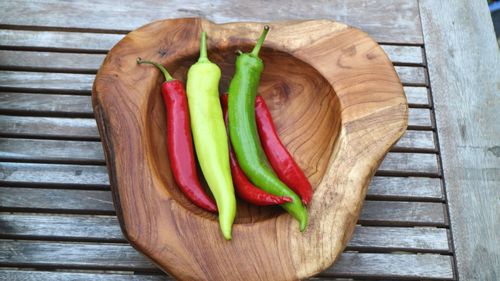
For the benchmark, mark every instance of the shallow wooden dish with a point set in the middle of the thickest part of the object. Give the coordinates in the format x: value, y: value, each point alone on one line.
x: 338, y: 105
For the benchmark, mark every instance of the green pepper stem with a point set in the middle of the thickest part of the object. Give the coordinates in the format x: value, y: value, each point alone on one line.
x: 256, y: 49
x: 203, y: 47
x: 167, y: 75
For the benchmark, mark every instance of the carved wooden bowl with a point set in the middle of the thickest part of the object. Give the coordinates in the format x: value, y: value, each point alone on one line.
x: 337, y: 103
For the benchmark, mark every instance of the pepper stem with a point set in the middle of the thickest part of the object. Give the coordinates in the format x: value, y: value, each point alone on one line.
x: 256, y: 49
x: 203, y: 47
x: 167, y: 75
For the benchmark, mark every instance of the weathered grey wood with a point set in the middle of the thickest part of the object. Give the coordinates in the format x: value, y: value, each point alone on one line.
x: 424, y: 189
x: 420, y: 118
x: 45, y: 199
x: 409, y: 75
x: 417, y: 96
x: 400, y: 266
x: 464, y: 69
x: 56, y: 40
x: 92, y: 202
x: 411, y: 163
x: 49, y: 127
x: 90, y: 62
x: 55, y: 151
x: 124, y: 257
x: 423, y: 141
x: 46, y: 81
x: 32, y: 275
x: 46, y: 104
x: 90, y: 152
x: 106, y: 228
x: 64, y: 175
x: 373, y: 17
x: 400, y: 213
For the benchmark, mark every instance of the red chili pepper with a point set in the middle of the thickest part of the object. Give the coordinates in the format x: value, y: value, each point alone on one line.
x: 180, y: 146
x: 282, y: 162
x: 244, y: 188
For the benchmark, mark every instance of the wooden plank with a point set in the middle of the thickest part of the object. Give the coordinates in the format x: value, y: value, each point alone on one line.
x: 99, y: 202
x: 400, y: 213
x: 37, y: 275
x: 400, y: 266
x: 464, y: 69
x: 90, y: 152
x: 58, y: 175
x: 412, y: 188
x: 412, y: 163
x: 107, y: 229
x: 46, y: 81
x: 54, y: 151
x: 394, y: 21
x: 48, y: 127
x: 86, y: 128
x: 35, y: 254
x: 417, y: 96
x: 90, y: 62
x: 69, y: 201
x: 410, y: 75
x: 46, y: 104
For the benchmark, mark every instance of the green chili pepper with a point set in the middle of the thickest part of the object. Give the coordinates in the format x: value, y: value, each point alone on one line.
x: 209, y: 135
x: 244, y: 135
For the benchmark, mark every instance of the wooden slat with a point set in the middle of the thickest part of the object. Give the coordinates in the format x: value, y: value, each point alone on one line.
x: 400, y: 266
x: 412, y: 188
x: 410, y: 75
x: 90, y: 152
x: 46, y: 104
x: 86, y: 128
x: 91, y: 202
x: 106, y: 229
x: 61, y: 175
x: 45, y: 81
x: 48, y: 127
x: 388, y: 21
x: 85, y: 62
x: 31, y: 275
x: 124, y: 257
x: 412, y: 163
x: 464, y: 68
x: 55, y: 151
x: 400, y: 213
x: 68, y: 201
x: 417, y: 96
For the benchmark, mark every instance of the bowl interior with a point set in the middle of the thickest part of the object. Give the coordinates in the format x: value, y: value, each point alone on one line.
x: 304, y: 106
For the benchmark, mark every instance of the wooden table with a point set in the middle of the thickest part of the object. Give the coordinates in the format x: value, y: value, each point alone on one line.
x: 431, y: 211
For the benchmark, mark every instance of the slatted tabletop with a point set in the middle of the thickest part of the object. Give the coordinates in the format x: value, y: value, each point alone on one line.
x: 57, y: 220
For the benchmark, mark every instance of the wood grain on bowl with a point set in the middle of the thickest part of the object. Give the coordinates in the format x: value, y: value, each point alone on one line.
x: 338, y: 105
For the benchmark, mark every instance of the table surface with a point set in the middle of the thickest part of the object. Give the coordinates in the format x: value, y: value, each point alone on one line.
x: 424, y: 216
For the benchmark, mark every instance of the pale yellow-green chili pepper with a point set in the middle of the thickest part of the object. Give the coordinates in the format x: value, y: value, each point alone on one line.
x: 209, y: 135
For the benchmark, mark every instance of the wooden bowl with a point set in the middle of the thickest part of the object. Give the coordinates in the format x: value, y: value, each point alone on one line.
x: 338, y: 105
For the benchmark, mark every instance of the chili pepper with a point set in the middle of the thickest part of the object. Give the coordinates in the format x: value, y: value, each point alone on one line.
x: 244, y: 135
x: 277, y: 154
x: 209, y: 134
x: 180, y: 146
x: 244, y: 188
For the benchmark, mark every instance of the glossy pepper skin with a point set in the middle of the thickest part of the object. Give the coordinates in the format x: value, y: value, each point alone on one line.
x: 244, y: 135
x: 179, y: 141
x: 244, y: 188
x: 209, y: 135
x: 282, y: 162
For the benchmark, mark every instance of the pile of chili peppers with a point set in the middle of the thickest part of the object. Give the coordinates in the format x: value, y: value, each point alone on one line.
x: 252, y: 157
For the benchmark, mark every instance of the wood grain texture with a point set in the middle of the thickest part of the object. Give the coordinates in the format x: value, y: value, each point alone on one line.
x: 106, y: 229
x: 464, y: 69
x: 371, y: 16
x: 113, y: 256
x: 38, y: 275
x: 350, y: 121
